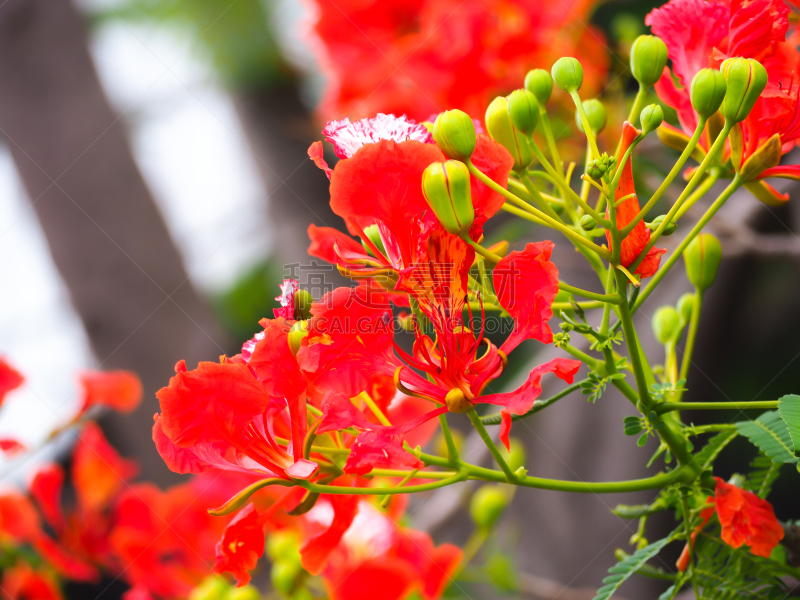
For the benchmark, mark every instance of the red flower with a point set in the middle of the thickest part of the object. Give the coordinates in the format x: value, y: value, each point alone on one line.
x: 241, y: 546
x: 701, y: 34
x: 379, y: 182
x: 223, y: 415
x: 746, y: 520
x: 118, y: 390
x: 10, y: 379
x: 637, y: 239
x: 378, y: 558
x: 419, y: 57
x: 22, y: 582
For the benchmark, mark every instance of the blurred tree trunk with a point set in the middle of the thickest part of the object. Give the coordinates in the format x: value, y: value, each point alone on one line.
x: 105, y: 233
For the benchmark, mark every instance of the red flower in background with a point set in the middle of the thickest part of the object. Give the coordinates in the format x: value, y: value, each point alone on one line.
x: 420, y: 57
x: 701, y: 34
x: 10, y: 379
x: 117, y: 390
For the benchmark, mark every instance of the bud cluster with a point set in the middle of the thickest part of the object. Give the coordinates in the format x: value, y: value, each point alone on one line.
x: 600, y: 167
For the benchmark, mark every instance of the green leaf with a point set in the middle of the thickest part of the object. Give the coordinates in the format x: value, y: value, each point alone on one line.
x: 642, y: 440
x: 763, y: 473
x: 770, y: 435
x: 706, y: 457
x: 621, y: 572
x: 789, y: 409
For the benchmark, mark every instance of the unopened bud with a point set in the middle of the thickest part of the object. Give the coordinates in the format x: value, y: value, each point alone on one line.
x: 588, y: 223
x: 499, y: 126
x: 686, y: 306
x: 666, y: 324
x: 745, y: 78
x: 523, y: 108
x: 284, y: 575
x: 668, y: 230
x: 457, y: 402
x: 446, y: 187
x: 599, y: 167
x: 212, y: 587
x: 702, y: 258
x: 515, y: 456
x: 247, y: 592
x: 374, y: 235
x: 487, y: 505
x: 454, y: 133
x: 302, y: 304
x: 297, y: 333
x: 707, y: 91
x: 567, y: 72
x: 540, y: 84
x: 648, y: 59
x: 596, y: 114
x: 651, y: 117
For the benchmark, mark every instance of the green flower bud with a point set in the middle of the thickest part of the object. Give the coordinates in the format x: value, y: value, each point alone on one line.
x: 284, y: 575
x: 596, y: 113
x: 373, y: 233
x: 668, y: 230
x: 454, y: 133
x: 515, y: 457
x: 540, y: 84
x: 707, y: 91
x: 523, y: 108
x: 702, y: 258
x: 567, y: 72
x: 746, y: 78
x: 446, y: 187
x: 599, y: 167
x: 651, y: 117
x: 686, y: 306
x: 588, y: 223
x: 247, y: 592
x: 499, y: 126
x: 302, y: 304
x: 297, y: 333
x: 212, y: 587
x: 487, y: 505
x: 648, y: 59
x: 667, y: 324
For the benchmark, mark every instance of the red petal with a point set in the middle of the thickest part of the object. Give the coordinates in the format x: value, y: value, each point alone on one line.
x: 65, y: 562
x: 678, y: 99
x: 383, y: 181
x: 241, y: 546
x: 21, y: 582
x: 756, y: 27
x: 119, y: 390
x: 434, y: 566
x: 18, y: 518
x: 315, y: 153
x: 784, y: 171
x: 314, y: 553
x: 494, y: 161
x: 325, y: 240
x: 691, y: 29
x: 526, y: 284
x: 46, y: 491
x: 521, y: 400
x: 349, y: 342
x: 381, y: 577
x: 746, y: 519
x: 10, y: 379
x: 379, y: 448
x: 11, y: 446
x: 98, y: 471
x: 137, y: 593
x: 213, y: 403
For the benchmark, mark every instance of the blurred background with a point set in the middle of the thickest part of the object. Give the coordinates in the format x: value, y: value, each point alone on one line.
x: 154, y: 185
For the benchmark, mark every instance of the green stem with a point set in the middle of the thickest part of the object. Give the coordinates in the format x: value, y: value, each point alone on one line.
x: 452, y: 450
x: 666, y: 407
x: 670, y: 436
x: 589, y: 361
x: 523, y: 214
x: 531, y: 189
x: 538, y: 405
x: 687, y: 152
x: 610, y: 298
x: 713, y: 176
x: 413, y: 474
x: 411, y: 489
x: 580, y: 200
x: 691, y: 336
x: 551, y: 142
x: 487, y: 439
x: 374, y: 408
x: 690, y: 544
x: 572, y: 235
x: 715, y: 148
x: 587, y: 129
x: 712, y: 210
x: 638, y: 105
x: 481, y: 250
x: 474, y: 543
